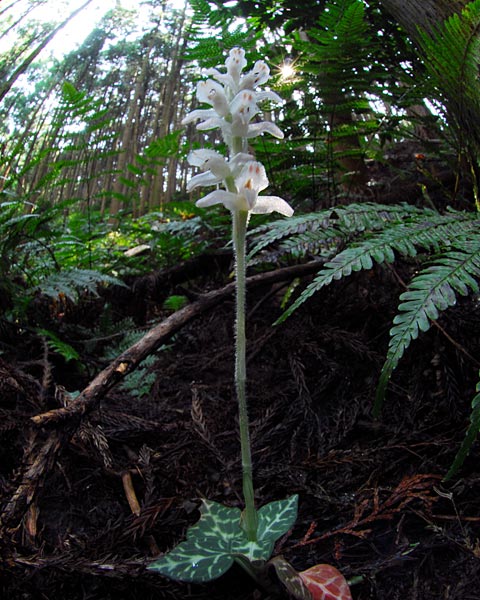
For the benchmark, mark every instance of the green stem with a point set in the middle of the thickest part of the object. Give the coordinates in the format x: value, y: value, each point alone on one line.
x: 237, y: 145
x: 249, y: 522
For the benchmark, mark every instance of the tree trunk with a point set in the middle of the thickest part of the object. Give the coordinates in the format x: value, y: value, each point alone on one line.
x: 6, y: 87
x: 461, y: 97
x: 128, y: 143
x: 424, y: 14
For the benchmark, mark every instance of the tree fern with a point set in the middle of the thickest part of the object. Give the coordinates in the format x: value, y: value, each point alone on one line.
x: 452, y: 54
x: 341, y: 50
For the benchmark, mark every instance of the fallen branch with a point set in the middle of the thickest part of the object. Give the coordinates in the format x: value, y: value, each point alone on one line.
x: 129, y: 360
x: 44, y: 447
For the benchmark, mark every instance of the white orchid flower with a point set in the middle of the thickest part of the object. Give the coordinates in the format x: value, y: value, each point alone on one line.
x: 243, y: 107
x: 216, y: 167
x: 251, y: 180
x: 235, y: 64
x: 259, y: 75
x: 234, y: 101
x: 212, y: 93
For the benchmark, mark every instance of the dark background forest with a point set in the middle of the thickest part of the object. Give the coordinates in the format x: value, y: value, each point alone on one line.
x: 117, y: 412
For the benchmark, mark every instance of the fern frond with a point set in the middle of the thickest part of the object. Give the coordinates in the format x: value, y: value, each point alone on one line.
x: 338, y: 222
x: 470, y: 436
x: 401, y: 237
x: 451, y: 58
x: 266, y: 235
x: 72, y: 282
x: 432, y: 291
x: 452, y: 53
x: 59, y: 346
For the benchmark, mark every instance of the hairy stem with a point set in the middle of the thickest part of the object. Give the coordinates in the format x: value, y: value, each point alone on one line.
x: 249, y: 520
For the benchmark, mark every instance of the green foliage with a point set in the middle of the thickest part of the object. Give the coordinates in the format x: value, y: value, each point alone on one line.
x: 347, y: 98
x: 59, y: 346
x: 71, y: 283
x: 138, y: 382
x: 470, y: 436
x: 372, y: 233
x: 451, y: 58
x: 322, y: 232
x: 430, y: 292
x: 218, y: 539
x: 212, y: 35
x: 175, y: 302
x: 146, y: 163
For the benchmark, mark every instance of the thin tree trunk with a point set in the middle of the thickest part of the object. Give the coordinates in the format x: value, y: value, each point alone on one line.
x: 128, y: 145
x: 7, y: 86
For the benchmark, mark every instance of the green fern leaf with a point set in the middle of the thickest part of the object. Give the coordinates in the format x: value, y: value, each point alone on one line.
x: 332, y: 223
x: 470, y: 436
x: 430, y: 292
x: 59, y: 346
x: 71, y: 282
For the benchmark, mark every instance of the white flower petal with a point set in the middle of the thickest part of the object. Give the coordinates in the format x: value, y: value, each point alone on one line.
x: 210, y: 160
x: 228, y: 199
x: 238, y: 161
x: 213, y: 93
x: 257, y: 76
x: 243, y: 107
x: 267, y: 204
x: 252, y: 177
x: 203, y: 179
x: 235, y: 63
x: 265, y: 127
x: 225, y: 80
x: 211, y: 123
x: 201, y: 113
x: 197, y: 158
x: 268, y: 95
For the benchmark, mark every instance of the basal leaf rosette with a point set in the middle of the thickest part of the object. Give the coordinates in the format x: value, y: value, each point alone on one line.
x: 217, y: 539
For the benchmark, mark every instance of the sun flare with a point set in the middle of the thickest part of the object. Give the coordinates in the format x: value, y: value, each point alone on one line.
x: 287, y: 70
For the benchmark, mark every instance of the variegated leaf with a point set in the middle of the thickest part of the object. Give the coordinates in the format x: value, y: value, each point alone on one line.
x: 290, y: 579
x: 211, y: 546
x: 276, y: 518
x: 326, y: 583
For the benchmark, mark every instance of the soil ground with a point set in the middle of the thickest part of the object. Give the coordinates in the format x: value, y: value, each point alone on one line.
x: 372, y: 499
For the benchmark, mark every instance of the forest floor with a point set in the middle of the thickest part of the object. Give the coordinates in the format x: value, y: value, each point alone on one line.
x: 372, y: 499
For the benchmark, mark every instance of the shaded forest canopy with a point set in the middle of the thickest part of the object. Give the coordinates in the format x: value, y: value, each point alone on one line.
x: 117, y: 412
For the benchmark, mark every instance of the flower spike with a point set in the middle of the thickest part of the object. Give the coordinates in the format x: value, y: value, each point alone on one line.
x: 233, y: 98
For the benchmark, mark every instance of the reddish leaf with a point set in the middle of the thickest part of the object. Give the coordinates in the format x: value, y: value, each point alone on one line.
x: 325, y: 582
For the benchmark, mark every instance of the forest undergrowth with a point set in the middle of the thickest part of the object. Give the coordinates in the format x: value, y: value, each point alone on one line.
x: 127, y: 485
